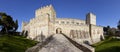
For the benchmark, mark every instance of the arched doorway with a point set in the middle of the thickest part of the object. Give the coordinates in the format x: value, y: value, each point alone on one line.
x: 58, y: 31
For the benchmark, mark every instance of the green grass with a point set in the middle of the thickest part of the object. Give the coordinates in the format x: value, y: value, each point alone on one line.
x: 15, y: 43
x: 108, y: 45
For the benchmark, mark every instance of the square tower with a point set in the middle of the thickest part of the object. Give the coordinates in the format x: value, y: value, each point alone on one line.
x: 46, y: 11
x: 91, y: 19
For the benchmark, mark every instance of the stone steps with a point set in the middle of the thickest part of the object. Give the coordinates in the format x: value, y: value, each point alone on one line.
x: 59, y: 43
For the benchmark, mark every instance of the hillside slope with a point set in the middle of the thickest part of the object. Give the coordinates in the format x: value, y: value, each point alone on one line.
x: 9, y: 43
x: 110, y: 44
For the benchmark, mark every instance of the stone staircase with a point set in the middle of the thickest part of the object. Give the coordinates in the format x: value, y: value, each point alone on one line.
x: 60, y: 43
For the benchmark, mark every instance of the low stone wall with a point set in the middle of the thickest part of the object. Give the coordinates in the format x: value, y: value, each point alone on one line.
x: 81, y: 46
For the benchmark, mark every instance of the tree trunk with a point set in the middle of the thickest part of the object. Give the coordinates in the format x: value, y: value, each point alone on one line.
x: 6, y: 30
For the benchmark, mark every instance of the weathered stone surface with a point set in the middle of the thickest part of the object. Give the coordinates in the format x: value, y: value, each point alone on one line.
x: 58, y: 43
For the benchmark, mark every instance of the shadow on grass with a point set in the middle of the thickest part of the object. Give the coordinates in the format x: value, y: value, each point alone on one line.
x: 111, y: 49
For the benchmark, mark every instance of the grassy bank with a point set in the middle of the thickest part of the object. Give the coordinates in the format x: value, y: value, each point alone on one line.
x: 109, y: 45
x: 15, y: 43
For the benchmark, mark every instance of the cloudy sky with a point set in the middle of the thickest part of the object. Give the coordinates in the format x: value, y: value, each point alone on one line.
x: 107, y: 11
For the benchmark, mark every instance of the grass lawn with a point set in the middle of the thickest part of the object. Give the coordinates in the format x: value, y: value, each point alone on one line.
x: 15, y: 43
x: 108, y: 45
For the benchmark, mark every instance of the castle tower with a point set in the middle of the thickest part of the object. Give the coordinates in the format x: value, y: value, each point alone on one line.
x: 47, y: 15
x: 47, y: 10
x: 91, y: 19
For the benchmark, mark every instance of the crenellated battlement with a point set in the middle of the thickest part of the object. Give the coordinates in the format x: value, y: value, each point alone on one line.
x: 44, y: 7
x: 45, y: 10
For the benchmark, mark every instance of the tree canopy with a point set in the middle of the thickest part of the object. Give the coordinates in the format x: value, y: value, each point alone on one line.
x: 118, y: 26
x: 7, y: 24
x: 105, y: 29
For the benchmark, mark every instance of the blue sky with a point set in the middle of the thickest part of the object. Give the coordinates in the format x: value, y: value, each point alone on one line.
x: 107, y: 11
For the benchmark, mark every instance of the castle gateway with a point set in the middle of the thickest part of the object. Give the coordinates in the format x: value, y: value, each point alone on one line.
x: 46, y: 24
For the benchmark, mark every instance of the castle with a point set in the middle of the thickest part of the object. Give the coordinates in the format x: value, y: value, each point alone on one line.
x: 46, y: 24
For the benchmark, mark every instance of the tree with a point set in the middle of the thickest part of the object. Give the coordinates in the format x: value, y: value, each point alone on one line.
x: 106, y: 29
x: 7, y: 23
x: 118, y: 26
x: 112, y: 31
x: 15, y: 25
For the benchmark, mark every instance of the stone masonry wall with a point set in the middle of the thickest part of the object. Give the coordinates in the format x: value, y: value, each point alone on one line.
x: 96, y: 33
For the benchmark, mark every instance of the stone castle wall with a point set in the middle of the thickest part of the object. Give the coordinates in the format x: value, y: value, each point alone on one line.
x: 69, y: 21
x: 38, y: 26
x: 76, y: 32
x: 96, y: 33
x: 45, y: 24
